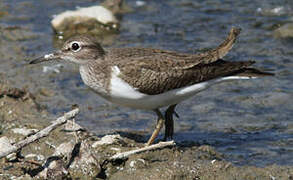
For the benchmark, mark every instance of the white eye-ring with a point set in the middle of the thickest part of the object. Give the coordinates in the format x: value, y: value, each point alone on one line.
x: 75, y: 46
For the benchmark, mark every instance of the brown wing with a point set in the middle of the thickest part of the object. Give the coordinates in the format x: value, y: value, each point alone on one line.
x: 150, y: 81
x: 162, y: 60
x: 154, y: 71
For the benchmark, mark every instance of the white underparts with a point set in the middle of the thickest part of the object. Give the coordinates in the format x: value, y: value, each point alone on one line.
x: 123, y: 94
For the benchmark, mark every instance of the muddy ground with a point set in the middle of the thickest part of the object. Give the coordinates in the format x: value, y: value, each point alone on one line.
x: 83, y: 158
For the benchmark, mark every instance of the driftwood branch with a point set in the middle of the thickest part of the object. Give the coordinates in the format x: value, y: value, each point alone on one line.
x: 126, y: 154
x: 43, y: 133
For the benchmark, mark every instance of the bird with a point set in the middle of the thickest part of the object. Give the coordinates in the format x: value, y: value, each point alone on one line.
x: 150, y: 79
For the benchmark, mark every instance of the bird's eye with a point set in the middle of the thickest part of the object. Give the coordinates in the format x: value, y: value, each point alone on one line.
x: 75, y: 46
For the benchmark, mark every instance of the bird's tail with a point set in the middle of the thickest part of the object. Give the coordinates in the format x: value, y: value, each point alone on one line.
x: 219, y: 52
x: 252, y: 72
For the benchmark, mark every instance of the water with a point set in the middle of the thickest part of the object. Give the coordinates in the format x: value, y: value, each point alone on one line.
x: 250, y: 122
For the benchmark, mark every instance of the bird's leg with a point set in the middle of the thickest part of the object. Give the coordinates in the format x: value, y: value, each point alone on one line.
x: 169, y: 122
x: 159, y: 126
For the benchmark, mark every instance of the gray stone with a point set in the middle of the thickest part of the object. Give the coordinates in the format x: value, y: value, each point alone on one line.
x: 4, y: 145
x: 285, y: 31
x: 108, y: 139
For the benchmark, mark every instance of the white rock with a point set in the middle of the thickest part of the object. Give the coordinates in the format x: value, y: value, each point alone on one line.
x: 11, y: 157
x: 5, y: 145
x: 39, y: 157
x: 108, y: 139
x: 115, y: 149
x: 30, y: 156
x: 24, y: 131
x: 71, y: 126
x: 99, y: 13
x: 285, y: 31
x: 85, y: 157
x: 136, y: 163
x: 64, y: 149
x: 141, y: 160
x: 273, y: 11
x: 132, y: 163
x: 52, y: 170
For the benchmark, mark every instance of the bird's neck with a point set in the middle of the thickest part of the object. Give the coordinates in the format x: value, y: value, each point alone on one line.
x: 96, y: 76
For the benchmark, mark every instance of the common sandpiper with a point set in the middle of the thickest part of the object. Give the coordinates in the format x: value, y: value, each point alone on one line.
x: 150, y: 79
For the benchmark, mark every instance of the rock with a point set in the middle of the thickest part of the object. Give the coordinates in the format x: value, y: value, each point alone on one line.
x: 55, y: 165
x: 95, y: 19
x: 85, y: 162
x: 116, y: 6
x: 10, y: 91
x: 37, y: 157
x: 76, y: 158
x: 12, y: 157
x: 24, y: 177
x: 108, y: 139
x: 54, y: 168
x: 273, y: 11
x: 71, y: 126
x: 285, y: 31
x: 4, y: 145
x: 137, y: 164
x: 64, y: 149
x: 24, y: 131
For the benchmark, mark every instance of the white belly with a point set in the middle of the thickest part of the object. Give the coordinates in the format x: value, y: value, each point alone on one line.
x: 123, y: 94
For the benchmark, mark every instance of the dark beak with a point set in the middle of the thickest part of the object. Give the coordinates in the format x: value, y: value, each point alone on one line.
x: 47, y: 57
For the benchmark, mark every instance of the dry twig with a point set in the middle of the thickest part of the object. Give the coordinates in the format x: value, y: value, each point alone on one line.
x: 43, y: 133
x: 126, y: 154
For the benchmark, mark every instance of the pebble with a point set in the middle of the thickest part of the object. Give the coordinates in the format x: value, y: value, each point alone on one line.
x: 274, y: 11
x: 285, y: 31
x: 4, y: 143
x: 24, y: 131
x: 132, y: 163
x: 115, y: 149
x: 64, y: 149
x: 71, y: 126
x: 38, y: 157
x: 108, y: 139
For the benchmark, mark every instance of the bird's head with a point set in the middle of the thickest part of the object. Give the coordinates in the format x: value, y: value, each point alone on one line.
x: 79, y: 49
